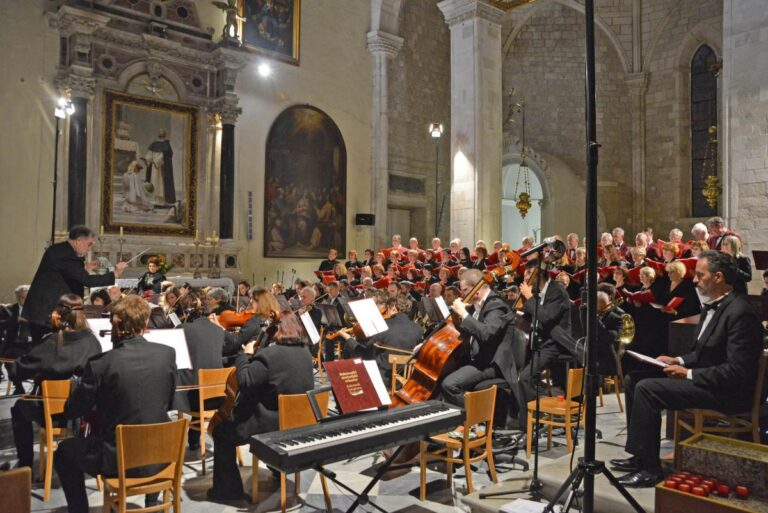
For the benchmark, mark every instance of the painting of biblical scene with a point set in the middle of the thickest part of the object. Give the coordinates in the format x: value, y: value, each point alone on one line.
x: 150, y: 165
x: 305, y: 185
x: 271, y: 27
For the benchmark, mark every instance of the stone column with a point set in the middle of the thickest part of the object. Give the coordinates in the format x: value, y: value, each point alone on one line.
x: 476, y: 113
x: 227, y: 181
x: 637, y: 85
x: 383, y: 47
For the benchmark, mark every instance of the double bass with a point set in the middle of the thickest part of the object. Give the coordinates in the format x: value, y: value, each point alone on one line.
x: 438, y: 355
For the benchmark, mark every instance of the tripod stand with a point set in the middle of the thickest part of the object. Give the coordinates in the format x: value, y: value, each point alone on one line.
x: 588, y: 467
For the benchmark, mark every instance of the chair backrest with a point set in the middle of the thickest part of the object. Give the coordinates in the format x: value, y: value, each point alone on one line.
x: 575, y: 381
x: 479, y: 406
x: 212, y: 383
x: 401, y: 369
x: 139, y: 445
x: 16, y: 490
x: 55, y: 395
x: 294, y: 410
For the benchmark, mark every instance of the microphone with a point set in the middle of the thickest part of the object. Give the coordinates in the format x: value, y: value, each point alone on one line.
x: 549, y: 242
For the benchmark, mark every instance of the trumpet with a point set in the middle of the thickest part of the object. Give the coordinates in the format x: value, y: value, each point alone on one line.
x: 627, y: 332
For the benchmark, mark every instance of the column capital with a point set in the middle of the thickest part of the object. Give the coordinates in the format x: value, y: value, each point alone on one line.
x: 637, y: 83
x: 227, y: 109
x: 457, y: 11
x: 384, y: 43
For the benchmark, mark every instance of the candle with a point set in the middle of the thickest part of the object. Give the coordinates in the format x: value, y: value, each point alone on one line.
x: 121, y: 231
x: 197, y: 234
x: 214, y: 235
x: 101, y: 231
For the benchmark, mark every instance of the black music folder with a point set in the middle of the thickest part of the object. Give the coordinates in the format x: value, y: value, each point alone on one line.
x: 761, y: 259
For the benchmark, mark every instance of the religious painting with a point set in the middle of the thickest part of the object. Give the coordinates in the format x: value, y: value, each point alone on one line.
x: 271, y: 27
x: 305, y: 185
x: 150, y: 165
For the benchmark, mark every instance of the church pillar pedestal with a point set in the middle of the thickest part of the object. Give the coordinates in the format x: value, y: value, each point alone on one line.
x: 476, y: 119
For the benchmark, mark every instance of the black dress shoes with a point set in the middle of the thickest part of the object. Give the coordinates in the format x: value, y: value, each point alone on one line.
x: 626, y: 465
x: 641, y: 479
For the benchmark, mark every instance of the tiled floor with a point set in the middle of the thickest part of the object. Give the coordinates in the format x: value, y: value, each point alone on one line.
x: 398, y: 491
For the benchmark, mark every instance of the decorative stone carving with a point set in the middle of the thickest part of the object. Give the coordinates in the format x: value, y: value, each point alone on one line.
x: 383, y: 43
x: 457, y: 11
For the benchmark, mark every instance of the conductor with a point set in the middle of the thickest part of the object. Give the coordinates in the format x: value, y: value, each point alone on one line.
x: 63, y: 270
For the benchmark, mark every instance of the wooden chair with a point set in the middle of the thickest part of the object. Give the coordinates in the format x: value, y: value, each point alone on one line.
x: 139, y: 445
x: 16, y: 490
x: 55, y: 395
x: 479, y: 410
x: 552, y: 408
x: 294, y: 411
x: 616, y: 381
x: 699, y: 420
x: 402, y: 367
x: 212, y: 384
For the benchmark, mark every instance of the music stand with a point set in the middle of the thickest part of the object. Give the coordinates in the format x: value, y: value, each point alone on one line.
x: 93, y: 311
x: 330, y: 315
x: 761, y: 259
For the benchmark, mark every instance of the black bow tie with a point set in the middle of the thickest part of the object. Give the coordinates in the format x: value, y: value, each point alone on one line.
x: 706, y: 307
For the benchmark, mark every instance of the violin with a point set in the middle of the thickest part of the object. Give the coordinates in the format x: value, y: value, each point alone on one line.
x: 231, y: 319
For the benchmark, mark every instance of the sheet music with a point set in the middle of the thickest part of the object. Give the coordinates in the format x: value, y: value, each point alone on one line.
x: 174, y: 319
x: 442, y: 306
x: 378, y: 383
x: 174, y: 339
x: 306, y: 319
x: 98, y: 325
x: 526, y: 506
x: 646, y: 359
x: 368, y: 315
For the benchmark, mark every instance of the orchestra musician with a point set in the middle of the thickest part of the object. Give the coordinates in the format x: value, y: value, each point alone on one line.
x: 61, y: 355
x: 553, y: 311
x: 151, y: 282
x: 284, y: 367
x: 63, y: 270
x: 719, y: 373
x: 134, y: 383
x: 487, y: 336
x: 15, y: 338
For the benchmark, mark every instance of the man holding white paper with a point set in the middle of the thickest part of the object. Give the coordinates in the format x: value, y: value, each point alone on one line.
x: 719, y: 373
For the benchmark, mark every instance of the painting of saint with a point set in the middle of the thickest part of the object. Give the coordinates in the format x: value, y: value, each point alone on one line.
x: 271, y: 27
x: 305, y: 185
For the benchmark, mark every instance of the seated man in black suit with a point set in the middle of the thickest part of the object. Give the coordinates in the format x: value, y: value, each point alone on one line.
x: 718, y: 374
x: 133, y: 383
x: 488, y: 339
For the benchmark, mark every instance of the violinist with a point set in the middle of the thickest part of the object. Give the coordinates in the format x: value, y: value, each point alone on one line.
x: 402, y: 333
x: 152, y: 280
x: 61, y: 355
x: 284, y: 367
x: 243, y: 288
x: 134, y: 383
x: 451, y: 294
x: 334, y: 297
x: 218, y: 301
x: 554, y: 310
x: 487, y: 337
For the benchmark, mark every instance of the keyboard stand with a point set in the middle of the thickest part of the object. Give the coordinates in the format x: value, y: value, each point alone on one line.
x: 362, y: 497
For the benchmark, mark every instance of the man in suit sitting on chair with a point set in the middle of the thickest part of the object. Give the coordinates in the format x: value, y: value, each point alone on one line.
x: 718, y: 374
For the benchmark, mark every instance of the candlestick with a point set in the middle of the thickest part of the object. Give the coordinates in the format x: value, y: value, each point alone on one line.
x: 121, y: 232
x: 101, y: 231
x: 197, y: 234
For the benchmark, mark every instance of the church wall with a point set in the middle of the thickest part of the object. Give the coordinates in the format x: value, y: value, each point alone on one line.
x: 419, y: 94
x: 545, y: 66
x: 667, y: 155
x: 745, y: 79
x: 28, y: 53
x: 334, y: 75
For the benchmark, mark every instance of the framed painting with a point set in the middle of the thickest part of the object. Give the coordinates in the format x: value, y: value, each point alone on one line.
x: 305, y: 185
x: 149, y: 172
x: 271, y: 27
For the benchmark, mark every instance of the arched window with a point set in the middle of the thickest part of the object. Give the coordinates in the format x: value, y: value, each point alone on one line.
x: 703, y: 116
x: 513, y: 226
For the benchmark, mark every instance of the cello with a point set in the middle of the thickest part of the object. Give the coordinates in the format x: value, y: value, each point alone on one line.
x: 439, y: 353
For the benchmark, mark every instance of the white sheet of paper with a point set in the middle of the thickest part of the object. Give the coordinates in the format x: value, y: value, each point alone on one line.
x: 306, y: 319
x: 174, y: 319
x: 442, y: 306
x: 526, y: 506
x: 378, y: 382
x: 646, y: 359
x: 174, y: 339
x: 368, y: 315
x: 97, y: 325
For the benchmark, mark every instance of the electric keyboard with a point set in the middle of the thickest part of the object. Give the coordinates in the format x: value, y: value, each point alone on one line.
x: 338, y: 439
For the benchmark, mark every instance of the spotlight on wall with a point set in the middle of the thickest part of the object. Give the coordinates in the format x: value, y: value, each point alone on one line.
x: 64, y: 107
x: 436, y: 130
x: 264, y: 70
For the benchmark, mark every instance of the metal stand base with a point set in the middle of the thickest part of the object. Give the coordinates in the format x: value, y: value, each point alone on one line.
x: 574, y: 483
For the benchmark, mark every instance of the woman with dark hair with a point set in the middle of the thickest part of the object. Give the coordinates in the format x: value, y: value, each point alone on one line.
x: 464, y: 258
x: 284, y: 367
x: 100, y: 298
x: 151, y: 282
x: 61, y: 355
x: 481, y: 262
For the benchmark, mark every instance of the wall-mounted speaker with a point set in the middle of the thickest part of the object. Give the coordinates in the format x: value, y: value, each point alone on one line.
x: 365, y: 219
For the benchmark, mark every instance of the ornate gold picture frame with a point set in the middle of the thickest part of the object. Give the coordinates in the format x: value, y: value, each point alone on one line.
x: 271, y: 28
x: 149, y: 172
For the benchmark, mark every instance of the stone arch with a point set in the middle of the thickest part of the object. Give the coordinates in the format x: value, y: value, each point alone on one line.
x: 537, y: 8
x: 142, y: 67
x: 385, y: 15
